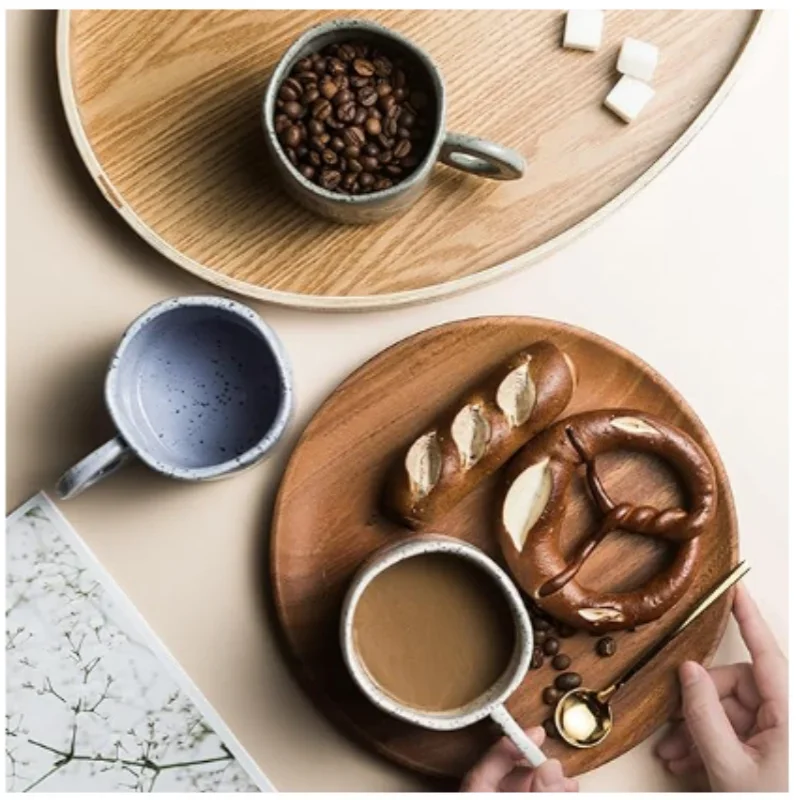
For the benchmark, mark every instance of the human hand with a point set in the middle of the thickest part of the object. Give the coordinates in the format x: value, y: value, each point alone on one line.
x: 734, y: 731
x: 503, y: 769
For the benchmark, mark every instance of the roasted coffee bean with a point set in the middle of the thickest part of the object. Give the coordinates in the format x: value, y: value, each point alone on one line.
x: 385, y: 183
x: 343, y: 163
x: 306, y: 78
x: 353, y: 137
x: 551, y: 646
x: 366, y: 179
x: 293, y: 110
x: 551, y: 695
x: 346, y: 52
x: 540, y: 624
x: 403, y: 133
x: 349, y: 180
x: 330, y: 158
x: 382, y: 66
x: 367, y: 96
x: 334, y: 123
x: 321, y: 109
x: 382, y: 88
x: 307, y: 171
x: 568, y: 680
x: 393, y: 169
x: 371, y: 149
x: 537, y: 659
x: 385, y: 141
x: 363, y: 67
x: 539, y: 637
x: 352, y: 152
x: 354, y: 165
x: 337, y: 144
x: 328, y: 88
x: 343, y: 96
x: 319, y: 143
x: 291, y: 86
x: 346, y: 113
x: 406, y: 119
x: 606, y: 647
x: 356, y: 82
x: 374, y: 113
x: 336, y: 67
x: 373, y: 126
x: 561, y: 661
x: 550, y: 728
x: 291, y: 136
x: 310, y: 95
x: 288, y: 94
x: 282, y: 122
x: 398, y: 79
x: 292, y: 155
x: 330, y: 178
x: 386, y: 156
x: 315, y: 127
x: 565, y: 631
x: 409, y: 162
x: 401, y: 150
x: 303, y: 65
x: 400, y: 95
x: 387, y: 102
x: 369, y: 163
x: 361, y: 116
x: 362, y: 49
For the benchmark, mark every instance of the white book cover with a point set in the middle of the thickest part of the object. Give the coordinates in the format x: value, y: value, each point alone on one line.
x: 94, y: 701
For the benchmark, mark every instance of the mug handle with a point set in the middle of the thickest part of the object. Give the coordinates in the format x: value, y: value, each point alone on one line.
x: 481, y: 157
x: 106, y: 459
x: 512, y: 729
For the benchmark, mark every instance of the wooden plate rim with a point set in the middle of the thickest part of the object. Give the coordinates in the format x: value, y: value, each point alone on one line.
x: 391, y: 299
x: 330, y: 708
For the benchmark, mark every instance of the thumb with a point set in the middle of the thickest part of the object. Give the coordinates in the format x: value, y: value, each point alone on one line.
x: 711, y: 730
x: 549, y: 777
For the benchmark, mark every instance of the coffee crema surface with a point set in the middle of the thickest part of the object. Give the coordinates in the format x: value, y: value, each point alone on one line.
x: 434, y: 632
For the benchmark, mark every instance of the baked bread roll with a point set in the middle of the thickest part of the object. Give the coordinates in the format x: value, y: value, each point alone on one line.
x: 479, y: 433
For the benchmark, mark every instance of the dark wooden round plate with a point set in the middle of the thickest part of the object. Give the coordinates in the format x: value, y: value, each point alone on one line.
x: 326, y: 521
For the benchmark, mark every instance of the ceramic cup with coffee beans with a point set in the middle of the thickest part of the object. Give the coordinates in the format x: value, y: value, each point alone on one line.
x: 354, y: 116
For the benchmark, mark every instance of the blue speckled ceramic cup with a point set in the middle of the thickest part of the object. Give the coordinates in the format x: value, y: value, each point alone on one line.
x: 199, y: 388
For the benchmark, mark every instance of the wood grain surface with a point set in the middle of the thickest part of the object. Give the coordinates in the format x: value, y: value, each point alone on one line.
x: 326, y: 521
x: 164, y: 107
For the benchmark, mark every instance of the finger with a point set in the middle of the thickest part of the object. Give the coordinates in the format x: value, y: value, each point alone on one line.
x: 572, y: 785
x: 742, y: 718
x: 676, y: 744
x: 706, y: 720
x: 518, y: 780
x: 733, y: 680
x: 497, y: 762
x: 769, y: 663
x: 549, y: 777
x: 686, y: 765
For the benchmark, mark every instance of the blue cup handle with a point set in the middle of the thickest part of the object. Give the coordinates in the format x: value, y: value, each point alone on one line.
x: 108, y: 458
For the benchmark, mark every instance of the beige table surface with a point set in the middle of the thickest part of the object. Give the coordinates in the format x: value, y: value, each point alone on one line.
x: 691, y: 275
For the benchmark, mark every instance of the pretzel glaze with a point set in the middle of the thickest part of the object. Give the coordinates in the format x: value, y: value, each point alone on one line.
x: 534, y: 500
x: 479, y: 433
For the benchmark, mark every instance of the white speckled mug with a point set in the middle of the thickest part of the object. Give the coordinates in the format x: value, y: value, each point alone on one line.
x: 199, y: 388
x: 490, y: 703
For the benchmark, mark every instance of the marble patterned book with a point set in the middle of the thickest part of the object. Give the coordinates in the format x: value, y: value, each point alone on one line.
x: 94, y: 701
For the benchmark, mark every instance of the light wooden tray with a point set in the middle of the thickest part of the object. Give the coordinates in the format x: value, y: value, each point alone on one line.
x: 164, y: 108
x: 327, y: 521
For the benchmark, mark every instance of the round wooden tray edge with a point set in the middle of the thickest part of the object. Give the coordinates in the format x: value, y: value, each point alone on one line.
x: 394, y: 299
x: 331, y: 709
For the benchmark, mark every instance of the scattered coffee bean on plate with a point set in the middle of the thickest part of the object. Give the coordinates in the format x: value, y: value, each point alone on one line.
x: 538, y: 658
x: 567, y: 681
x: 606, y: 647
x: 551, y: 646
x: 539, y: 636
x: 550, y: 728
x: 541, y: 624
x: 561, y: 661
x: 352, y: 119
x: 551, y: 695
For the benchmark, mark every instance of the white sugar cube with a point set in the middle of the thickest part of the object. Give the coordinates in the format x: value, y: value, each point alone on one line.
x: 628, y: 98
x: 637, y: 59
x: 583, y: 30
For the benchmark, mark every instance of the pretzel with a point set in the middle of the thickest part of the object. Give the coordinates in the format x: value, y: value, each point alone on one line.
x: 475, y: 436
x: 534, y: 500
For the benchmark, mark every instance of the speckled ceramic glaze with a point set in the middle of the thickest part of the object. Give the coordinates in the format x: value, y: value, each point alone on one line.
x: 490, y: 704
x: 199, y: 388
x: 467, y: 153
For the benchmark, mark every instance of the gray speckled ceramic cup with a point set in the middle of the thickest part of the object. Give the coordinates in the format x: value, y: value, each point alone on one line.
x: 489, y: 704
x: 199, y: 388
x: 467, y: 153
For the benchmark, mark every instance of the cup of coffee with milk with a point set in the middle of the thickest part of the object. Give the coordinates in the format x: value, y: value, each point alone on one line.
x: 436, y: 634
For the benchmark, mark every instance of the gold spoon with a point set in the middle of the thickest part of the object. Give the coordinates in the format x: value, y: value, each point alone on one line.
x: 583, y: 716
